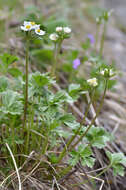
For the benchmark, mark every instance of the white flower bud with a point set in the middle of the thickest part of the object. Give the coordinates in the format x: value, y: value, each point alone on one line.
x: 67, y: 30
x: 92, y: 82
x: 59, y: 29
x: 53, y: 37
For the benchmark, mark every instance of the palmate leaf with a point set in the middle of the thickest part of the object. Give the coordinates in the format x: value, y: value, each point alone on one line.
x: 39, y: 80
x: 88, y: 161
x: 67, y: 118
x: 74, y: 91
x: 98, y: 136
x: 15, y: 72
x: 60, y: 97
x: 6, y: 60
x: 75, y: 157
x: 11, y: 103
x: 84, y: 154
x: 117, y: 160
x: 73, y: 161
x: 84, y: 150
x: 118, y: 170
x: 63, y: 133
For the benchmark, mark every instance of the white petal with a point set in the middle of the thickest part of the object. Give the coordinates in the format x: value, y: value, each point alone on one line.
x: 23, y: 28
x: 27, y: 23
x: 59, y: 29
x: 37, y: 26
x: 41, y: 33
x: 67, y: 30
x: 53, y: 37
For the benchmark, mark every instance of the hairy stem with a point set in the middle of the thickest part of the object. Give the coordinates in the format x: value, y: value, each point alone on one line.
x: 97, y: 34
x: 26, y: 83
x: 55, y: 60
x: 57, y: 47
x: 103, y: 39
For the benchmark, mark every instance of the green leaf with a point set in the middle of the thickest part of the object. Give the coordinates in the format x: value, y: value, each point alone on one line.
x: 11, y: 103
x: 73, y: 161
x: 84, y: 154
x: 62, y: 133
x: 73, y: 125
x: 74, y: 90
x: 88, y: 161
x: 85, y: 151
x: 40, y: 80
x: 45, y: 55
x: 67, y: 118
x: 4, y: 83
x: 86, y: 45
x: 97, y: 136
x: 14, y: 72
x: 74, y: 158
x: 117, y: 160
x: 60, y: 96
x: 54, y: 124
x: 6, y: 60
x: 118, y: 169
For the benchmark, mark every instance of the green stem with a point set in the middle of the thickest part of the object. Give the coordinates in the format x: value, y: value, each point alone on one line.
x: 97, y: 34
x: 97, y: 113
x: 27, y: 140
x: 57, y: 47
x: 103, y: 38
x: 63, y: 153
x: 26, y: 83
x: 103, y: 171
x: 65, y: 171
x: 45, y: 144
x: 55, y: 60
x: 13, y: 133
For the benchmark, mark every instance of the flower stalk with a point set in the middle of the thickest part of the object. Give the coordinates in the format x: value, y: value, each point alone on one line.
x: 97, y: 34
x: 26, y: 81
x: 103, y: 38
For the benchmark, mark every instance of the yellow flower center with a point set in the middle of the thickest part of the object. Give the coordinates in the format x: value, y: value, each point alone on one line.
x: 32, y: 23
x: 38, y: 30
x: 28, y: 26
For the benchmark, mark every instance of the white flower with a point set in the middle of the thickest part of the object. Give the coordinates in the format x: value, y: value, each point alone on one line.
x: 93, y: 82
x: 67, y: 30
x: 27, y: 26
x: 53, y: 37
x: 111, y: 73
x: 37, y: 26
x: 103, y: 71
x: 59, y: 29
x: 39, y: 32
x: 107, y: 72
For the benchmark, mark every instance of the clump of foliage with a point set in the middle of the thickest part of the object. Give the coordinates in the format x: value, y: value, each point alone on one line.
x: 34, y: 117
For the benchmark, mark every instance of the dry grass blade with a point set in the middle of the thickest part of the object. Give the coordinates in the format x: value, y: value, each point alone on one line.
x: 96, y: 179
x: 15, y: 165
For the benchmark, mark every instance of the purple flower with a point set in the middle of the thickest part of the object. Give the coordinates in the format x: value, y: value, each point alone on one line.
x: 91, y: 38
x: 76, y: 63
